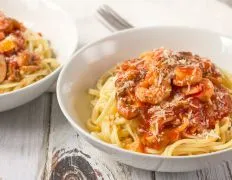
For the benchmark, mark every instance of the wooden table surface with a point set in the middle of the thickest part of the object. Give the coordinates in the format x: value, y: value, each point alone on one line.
x: 36, y: 142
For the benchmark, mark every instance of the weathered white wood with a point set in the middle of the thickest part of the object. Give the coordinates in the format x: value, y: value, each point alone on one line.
x: 64, y: 143
x: 222, y: 172
x: 71, y: 156
x: 23, y: 131
x: 176, y: 176
x: 23, y: 140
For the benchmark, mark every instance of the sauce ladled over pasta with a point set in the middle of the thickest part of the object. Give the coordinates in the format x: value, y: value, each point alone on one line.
x: 25, y: 56
x: 166, y: 98
x: 173, y: 94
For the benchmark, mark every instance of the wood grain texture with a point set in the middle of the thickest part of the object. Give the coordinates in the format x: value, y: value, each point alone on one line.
x: 69, y: 156
x: 219, y: 172
x: 23, y: 140
x: 176, y: 176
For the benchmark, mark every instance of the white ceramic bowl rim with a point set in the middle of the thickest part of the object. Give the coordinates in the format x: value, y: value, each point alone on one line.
x: 111, y: 146
x: 24, y: 89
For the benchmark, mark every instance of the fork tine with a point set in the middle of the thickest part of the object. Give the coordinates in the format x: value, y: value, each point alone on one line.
x: 108, y: 17
x: 116, y: 15
x: 110, y: 20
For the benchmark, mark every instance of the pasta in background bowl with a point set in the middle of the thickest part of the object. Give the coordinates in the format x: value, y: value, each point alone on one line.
x: 92, y: 61
x: 45, y: 51
x: 26, y: 57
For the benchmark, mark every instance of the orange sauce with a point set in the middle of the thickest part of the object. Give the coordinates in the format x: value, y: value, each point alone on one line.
x: 179, y: 109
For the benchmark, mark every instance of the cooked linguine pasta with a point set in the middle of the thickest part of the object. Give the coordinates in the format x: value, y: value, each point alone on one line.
x: 25, y: 56
x: 164, y: 102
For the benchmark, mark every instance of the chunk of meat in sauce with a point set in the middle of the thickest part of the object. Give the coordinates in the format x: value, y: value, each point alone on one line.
x: 7, y: 25
x: 152, y: 56
x: 160, y: 141
x: 24, y: 58
x: 204, y: 90
x: 152, y: 93
x: 184, y: 76
x: 126, y: 103
x: 222, y: 102
x: 19, y: 40
x: 2, y: 35
x: 127, y: 108
x: 13, y: 73
x: 3, y: 68
x: 207, y: 90
x: 123, y: 78
x: 210, y: 71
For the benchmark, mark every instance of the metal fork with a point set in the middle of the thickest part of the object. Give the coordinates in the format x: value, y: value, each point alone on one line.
x: 111, y: 20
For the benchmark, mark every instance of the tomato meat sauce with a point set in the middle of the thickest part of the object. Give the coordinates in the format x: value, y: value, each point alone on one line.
x: 15, y: 58
x: 174, y: 95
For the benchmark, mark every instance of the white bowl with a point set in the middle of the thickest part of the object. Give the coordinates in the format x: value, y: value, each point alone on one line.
x: 57, y: 26
x: 89, y: 63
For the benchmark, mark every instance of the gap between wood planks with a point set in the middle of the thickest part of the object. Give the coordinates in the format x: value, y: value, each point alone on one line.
x: 71, y: 156
x: 68, y: 147
x: 23, y: 140
x: 31, y: 149
x: 43, y: 174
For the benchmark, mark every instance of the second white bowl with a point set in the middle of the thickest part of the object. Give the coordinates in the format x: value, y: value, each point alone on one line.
x: 56, y: 26
x: 89, y: 63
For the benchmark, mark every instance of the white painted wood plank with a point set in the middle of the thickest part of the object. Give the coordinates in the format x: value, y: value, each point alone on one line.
x: 176, y: 176
x: 71, y: 156
x: 23, y: 140
x: 67, y: 147
x: 221, y: 171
